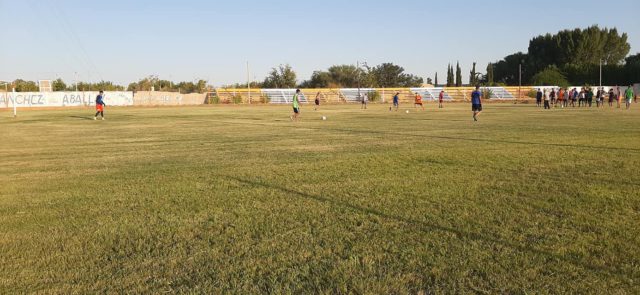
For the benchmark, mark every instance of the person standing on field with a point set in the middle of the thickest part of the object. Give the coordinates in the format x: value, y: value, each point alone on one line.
x: 552, y: 96
x: 365, y: 100
x: 99, y: 106
x: 612, y: 96
x: 547, y: 99
x: 396, y: 101
x: 618, y: 95
x: 418, y: 101
x: 317, y: 101
x: 589, y: 96
x: 441, y: 99
x: 296, y: 106
x: 629, y: 96
x: 476, y: 103
x: 539, y: 98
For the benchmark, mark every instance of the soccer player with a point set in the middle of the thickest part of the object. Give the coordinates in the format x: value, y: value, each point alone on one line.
x: 396, y: 101
x: 581, y: 99
x: 629, y: 96
x: 618, y: 95
x: 598, y: 97
x: 612, y: 96
x: 539, y: 98
x: 589, y: 96
x: 441, y: 99
x: 99, y: 106
x: 476, y: 103
x: 296, y: 106
x: 418, y: 101
x: 317, y: 101
x: 575, y: 97
x: 547, y: 99
x: 365, y: 100
x: 561, y: 95
x: 552, y: 96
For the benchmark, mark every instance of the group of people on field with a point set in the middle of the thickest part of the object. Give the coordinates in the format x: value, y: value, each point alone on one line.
x: 476, y: 102
x: 565, y: 97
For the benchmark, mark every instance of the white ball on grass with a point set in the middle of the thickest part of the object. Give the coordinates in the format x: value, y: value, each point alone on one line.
x: 324, y: 118
x: 407, y: 111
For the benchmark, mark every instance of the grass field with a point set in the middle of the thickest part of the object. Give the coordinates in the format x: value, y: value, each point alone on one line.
x: 241, y: 200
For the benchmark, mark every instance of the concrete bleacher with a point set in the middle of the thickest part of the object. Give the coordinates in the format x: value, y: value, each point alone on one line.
x: 283, y: 96
x: 499, y: 93
x: 432, y: 94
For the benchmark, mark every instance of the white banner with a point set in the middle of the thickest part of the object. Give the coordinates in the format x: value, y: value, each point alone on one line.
x: 63, y: 99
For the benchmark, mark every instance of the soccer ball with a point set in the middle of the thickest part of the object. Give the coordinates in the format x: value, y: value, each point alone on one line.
x: 324, y: 118
x: 407, y: 111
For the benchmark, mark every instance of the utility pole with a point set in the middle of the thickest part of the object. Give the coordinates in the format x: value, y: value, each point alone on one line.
x: 519, y: 80
x: 358, y: 70
x: 600, y: 73
x: 76, y: 76
x: 248, y: 83
x: 15, y: 111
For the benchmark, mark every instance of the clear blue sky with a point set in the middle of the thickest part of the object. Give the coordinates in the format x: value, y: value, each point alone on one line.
x: 123, y: 41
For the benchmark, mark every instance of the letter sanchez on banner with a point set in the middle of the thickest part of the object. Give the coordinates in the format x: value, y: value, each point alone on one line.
x: 64, y: 99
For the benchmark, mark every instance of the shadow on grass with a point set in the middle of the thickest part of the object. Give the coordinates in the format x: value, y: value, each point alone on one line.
x: 487, y: 140
x: 428, y: 227
x: 81, y: 117
x: 355, y: 131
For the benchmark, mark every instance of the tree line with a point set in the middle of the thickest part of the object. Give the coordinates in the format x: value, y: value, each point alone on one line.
x: 145, y: 84
x: 386, y: 75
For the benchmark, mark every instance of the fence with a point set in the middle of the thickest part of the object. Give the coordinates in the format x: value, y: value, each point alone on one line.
x: 274, y: 96
x: 350, y: 95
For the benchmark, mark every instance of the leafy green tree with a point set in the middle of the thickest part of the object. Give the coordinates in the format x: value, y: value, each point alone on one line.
x: 58, y: 85
x: 506, y: 71
x: 319, y: 79
x: 391, y: 75
x: 280, y: 77
x: 579, y: 47
x: 458, y: 75
x: 429, y: 81
x: 384, y: 75
x: 633, y: 60
x: 25, y: 86
x: 551, y: 76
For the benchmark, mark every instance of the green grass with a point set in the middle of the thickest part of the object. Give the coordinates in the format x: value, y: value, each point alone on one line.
x: 241, y: 200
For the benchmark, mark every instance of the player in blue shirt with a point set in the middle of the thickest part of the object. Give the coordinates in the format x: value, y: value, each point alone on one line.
x: 396, y: 101
x: 100, y: 105
x: 476, y: 103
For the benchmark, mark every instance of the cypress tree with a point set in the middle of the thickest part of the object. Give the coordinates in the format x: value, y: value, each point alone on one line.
x: 458, y: 75
x: 490, y: 74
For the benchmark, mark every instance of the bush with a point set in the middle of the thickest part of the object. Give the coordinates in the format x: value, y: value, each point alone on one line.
x: 213, y: 99
x: 532, y: 93
x: 265, y: 98
x: 486, y: 93
x: 374, y: 96
x: 237, y: 99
